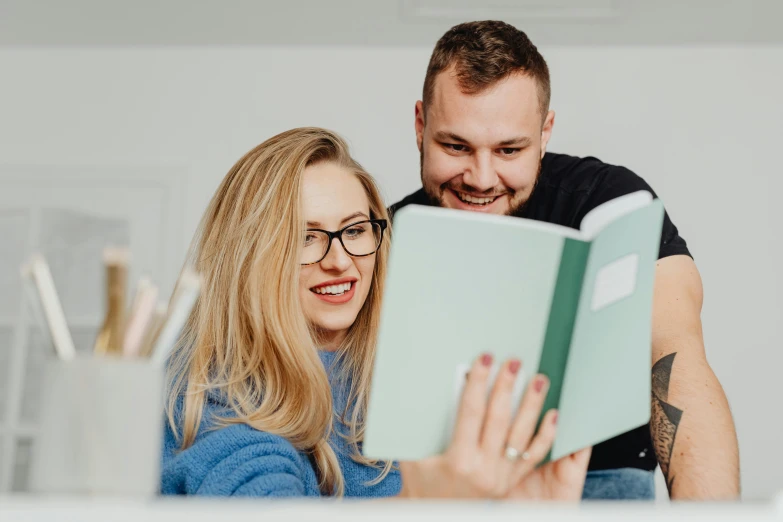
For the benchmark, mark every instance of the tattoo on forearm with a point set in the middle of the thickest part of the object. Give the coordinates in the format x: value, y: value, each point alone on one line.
x: 665, y: 417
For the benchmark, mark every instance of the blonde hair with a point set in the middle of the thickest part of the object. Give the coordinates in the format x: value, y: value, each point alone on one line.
x: 247, y: 337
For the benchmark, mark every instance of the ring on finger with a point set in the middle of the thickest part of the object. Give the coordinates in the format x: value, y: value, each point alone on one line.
x: 514, y: 454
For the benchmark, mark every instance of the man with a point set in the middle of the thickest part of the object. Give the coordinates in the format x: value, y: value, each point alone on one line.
x: 482, y: 129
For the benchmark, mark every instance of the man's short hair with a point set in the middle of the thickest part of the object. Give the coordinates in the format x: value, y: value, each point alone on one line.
x: 484, y: 53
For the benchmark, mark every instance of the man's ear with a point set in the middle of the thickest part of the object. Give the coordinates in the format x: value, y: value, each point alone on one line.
x: 546, y: 131
x: 419, y: 124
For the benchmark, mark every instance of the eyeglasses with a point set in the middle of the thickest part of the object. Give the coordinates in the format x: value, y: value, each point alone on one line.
x: 358, y: 240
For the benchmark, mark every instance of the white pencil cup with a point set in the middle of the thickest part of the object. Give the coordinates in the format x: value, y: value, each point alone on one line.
x: 100, y: 429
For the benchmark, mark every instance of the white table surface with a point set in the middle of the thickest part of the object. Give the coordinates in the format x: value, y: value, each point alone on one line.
x: 34, y: 508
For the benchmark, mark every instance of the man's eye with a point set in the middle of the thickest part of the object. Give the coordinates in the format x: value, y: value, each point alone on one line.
x: 508, y: 151
x: 456, y: 147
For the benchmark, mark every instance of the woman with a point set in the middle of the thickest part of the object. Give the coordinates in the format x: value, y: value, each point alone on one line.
x: 270, y: 382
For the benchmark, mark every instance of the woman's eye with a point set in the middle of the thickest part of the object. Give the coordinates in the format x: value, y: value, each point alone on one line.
x: 354, y: 232
x: 309, y: 238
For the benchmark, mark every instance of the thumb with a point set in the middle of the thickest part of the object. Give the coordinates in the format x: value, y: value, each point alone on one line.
x: 582, y: 457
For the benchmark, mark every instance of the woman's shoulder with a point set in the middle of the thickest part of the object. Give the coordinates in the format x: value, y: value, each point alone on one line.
x: 234, y: 459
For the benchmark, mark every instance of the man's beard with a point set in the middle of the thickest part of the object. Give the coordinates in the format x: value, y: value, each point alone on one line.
x: 436, y: 196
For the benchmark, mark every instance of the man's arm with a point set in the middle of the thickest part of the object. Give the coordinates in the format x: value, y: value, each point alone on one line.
x: 692, y: 429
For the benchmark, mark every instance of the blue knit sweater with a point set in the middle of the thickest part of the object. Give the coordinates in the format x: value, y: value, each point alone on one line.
x: 239, y: 460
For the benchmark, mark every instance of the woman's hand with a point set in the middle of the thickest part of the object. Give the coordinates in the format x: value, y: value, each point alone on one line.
x: 494, y: 453
x: 563, y: 479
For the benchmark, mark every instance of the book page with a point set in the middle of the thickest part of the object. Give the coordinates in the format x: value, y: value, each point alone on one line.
x: 456, y: 288
x: 606, y: 389
x: 460, y: 216
x: 598, y: 218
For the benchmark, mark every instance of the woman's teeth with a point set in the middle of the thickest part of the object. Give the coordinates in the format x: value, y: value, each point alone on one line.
x: 333, y: 289
x: 475, y: 201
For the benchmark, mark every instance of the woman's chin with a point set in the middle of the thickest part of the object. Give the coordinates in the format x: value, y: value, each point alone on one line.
x: 333, y: 329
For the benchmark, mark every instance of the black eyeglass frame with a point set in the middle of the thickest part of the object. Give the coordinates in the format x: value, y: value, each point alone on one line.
x: 382, y: 223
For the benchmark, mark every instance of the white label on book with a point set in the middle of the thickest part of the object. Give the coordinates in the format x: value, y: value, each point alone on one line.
x: 615, y: 281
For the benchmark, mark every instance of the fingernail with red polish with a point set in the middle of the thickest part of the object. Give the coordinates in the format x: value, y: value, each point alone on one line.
x: 513, y: 366
x: 554, y: 418
x: 539, y: 385
x: 486, y: 359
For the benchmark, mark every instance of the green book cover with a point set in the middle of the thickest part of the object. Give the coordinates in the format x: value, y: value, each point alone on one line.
x: 575, y: 305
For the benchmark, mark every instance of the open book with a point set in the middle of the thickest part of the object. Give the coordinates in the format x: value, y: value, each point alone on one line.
x: 575, y: 305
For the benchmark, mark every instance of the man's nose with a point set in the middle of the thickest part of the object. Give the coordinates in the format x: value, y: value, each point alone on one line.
x: 481, y: 175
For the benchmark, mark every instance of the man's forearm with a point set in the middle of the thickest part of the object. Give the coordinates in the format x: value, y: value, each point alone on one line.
x: 692, y: 429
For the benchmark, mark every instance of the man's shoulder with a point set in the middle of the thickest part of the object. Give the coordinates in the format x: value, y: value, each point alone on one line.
x: 570, y: 186
x: 586, y: 174
x: 417, y: 198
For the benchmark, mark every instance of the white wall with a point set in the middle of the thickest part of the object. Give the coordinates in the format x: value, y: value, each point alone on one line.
x: 702, y: 125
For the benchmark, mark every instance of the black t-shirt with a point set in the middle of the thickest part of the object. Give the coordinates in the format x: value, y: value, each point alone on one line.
x: 567, y: 189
